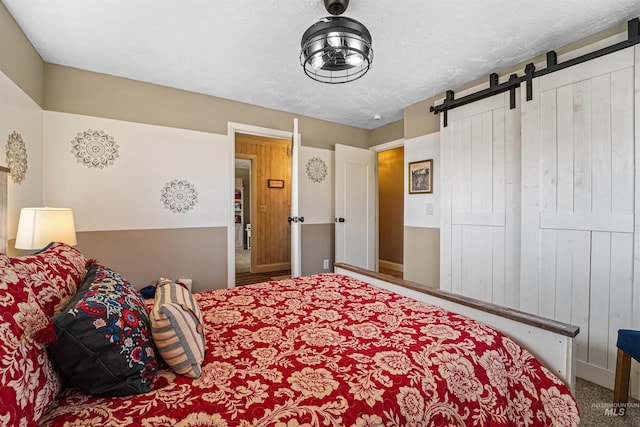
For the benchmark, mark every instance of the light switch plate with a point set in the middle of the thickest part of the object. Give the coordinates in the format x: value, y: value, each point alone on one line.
x: 429, y: 208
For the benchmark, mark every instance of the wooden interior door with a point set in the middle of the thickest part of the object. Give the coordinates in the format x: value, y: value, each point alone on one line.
x: 480, y: 178
x: 579, y: 205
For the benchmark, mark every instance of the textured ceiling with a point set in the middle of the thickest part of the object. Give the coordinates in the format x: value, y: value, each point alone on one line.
x: 248, y: 50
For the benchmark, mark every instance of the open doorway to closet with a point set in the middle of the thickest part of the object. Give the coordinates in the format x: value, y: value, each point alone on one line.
x: 391, y: 211
x: 263, y: 249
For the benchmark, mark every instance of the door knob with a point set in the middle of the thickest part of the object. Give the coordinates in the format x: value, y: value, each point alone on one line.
x: 339, y: 219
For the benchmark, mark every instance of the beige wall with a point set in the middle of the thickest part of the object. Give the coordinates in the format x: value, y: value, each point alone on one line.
x: 317, y: 241
x: 19, y: 60
x: 143, y: 256
x: 422, y: 255
x: 389, y: 132
x: 76, y: 91
x: 418, y: 120
x: 391, y: 205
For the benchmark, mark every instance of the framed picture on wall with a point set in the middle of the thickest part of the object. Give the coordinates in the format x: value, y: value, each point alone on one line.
x: 421, y: 177
x: 275, y: 183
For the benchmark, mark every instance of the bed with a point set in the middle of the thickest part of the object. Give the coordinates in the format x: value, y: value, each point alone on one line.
x: 331, y: 349
x: 325, y: 349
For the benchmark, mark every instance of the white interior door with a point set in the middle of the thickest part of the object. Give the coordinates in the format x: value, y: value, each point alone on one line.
x: 579, y: 210
x: 295, y: 220
x: 355, y: 199
x: 480, y: 214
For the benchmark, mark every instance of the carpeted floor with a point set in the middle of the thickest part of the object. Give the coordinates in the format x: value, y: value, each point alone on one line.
x: 594, y: 401
x: 243, y: 260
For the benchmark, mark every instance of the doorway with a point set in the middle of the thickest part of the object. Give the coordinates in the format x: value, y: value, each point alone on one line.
x: 242, y: 214
x: 391, y: 211
x: 358, y: 205
x: 262, y: 240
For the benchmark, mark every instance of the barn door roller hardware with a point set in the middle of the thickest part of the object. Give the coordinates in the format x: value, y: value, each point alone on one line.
x: 530, y: 72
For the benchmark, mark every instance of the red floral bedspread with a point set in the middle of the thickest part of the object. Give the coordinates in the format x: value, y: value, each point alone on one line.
x: 329, y: 350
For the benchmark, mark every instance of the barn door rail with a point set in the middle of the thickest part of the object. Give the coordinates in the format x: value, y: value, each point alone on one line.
x: 530, y: 72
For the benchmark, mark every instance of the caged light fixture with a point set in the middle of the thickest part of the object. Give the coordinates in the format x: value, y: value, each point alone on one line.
x: 336, y: 49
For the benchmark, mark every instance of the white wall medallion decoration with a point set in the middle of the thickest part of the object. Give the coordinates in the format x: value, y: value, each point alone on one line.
x: 16, y: 157
x: 95, y: 149
x: 179, y: 196
x: 316, y: 169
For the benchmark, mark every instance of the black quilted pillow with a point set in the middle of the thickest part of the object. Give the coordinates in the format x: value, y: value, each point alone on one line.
x: 104, y: 345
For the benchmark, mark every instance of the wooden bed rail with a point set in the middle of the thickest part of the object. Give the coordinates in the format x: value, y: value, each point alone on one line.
x: 550, y: 341
x: 517, y: 315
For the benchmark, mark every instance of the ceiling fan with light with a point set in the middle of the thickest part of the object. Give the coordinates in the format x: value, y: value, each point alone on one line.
x: 336, y: 49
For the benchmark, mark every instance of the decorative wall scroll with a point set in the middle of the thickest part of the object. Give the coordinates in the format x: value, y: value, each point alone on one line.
x: 179, y: 196
x: 16, y: 153
x: 94, y: 149
x: 316, y: 169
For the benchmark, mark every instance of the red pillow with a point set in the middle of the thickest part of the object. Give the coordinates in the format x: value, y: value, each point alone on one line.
x: 28, y: 379
x: 53, y: 274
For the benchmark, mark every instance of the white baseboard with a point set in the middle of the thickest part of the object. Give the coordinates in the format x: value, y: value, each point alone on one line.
x: 595, y: 374
x: 606, y: 378
x: 390, y: 265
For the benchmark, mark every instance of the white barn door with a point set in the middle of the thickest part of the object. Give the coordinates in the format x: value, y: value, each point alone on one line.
x: 480, y: 214
x: 578, y: 205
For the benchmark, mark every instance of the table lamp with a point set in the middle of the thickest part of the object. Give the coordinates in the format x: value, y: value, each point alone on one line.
x: 38, y: 227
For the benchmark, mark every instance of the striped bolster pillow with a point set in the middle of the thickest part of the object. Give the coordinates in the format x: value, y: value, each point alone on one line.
x: 177, y: 328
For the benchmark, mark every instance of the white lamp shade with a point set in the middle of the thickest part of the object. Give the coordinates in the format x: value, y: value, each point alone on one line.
x: 38, y: 227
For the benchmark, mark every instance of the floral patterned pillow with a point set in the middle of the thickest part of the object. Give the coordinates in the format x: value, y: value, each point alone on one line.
x: 104, y: 345
x: 28, y: 379
x: 53, y: 274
